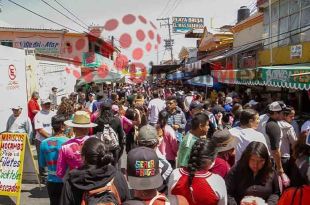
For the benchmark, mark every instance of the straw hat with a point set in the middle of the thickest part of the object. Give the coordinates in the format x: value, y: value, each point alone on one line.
x: 81, y: 119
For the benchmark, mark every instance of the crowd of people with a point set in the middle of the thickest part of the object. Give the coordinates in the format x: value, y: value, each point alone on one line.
x: 182, y: 147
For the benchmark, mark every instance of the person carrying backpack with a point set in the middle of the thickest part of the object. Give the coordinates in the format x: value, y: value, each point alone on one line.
x: 97, y: 181
x: 144, y: 178
x: 109, y: 128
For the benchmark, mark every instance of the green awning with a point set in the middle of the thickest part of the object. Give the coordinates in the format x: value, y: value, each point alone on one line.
x: 281, y: 76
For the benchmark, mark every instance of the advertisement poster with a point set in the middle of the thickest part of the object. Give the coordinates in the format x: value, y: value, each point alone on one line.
x: 12, y: 150
x: 13, y: 91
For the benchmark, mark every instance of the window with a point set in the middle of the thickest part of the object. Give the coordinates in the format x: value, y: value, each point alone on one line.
x: 305, y: 3
x: 7, y: 43
x: 293, y: 27
x: 266, y: 16
x: 305, y: 17
x: 283, y: 32
x: 274, y: 33
x: 294, y: 6
x: 284, y: 8
x: 275, y: 11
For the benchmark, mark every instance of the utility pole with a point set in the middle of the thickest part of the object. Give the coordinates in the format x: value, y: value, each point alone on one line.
x: 168, y: 42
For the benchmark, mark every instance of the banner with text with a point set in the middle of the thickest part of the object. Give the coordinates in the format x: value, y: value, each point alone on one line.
x: 184, y: 24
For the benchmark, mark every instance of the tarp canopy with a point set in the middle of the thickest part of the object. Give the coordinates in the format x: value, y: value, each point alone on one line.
x: 99, y: 78
x: 203, y: 80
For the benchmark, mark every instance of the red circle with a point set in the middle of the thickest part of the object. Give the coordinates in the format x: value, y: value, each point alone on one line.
x: 111, y: 24
x: 142, y: 19
x: 140, y: 35
x: 76, y: 61
x: 152, y: 24
x: 103, y: 71
x: 89, y: 77
x: 76, y: 74
x: 158, y: 39
x: 133, y: 74
x: 148, y: 47
x: 137, y: 54
x: 121, y: 62
x: 80, y: 44
x: 125, y: 40
x: 129, y: 19
x: 156, y: 47
x: 67, y: 70
x: 151, y: 34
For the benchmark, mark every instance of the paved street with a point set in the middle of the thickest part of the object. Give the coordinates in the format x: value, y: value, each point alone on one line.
x: 32, y: 194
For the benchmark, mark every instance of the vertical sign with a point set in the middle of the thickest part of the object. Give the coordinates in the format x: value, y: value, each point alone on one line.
x: 12, y: 150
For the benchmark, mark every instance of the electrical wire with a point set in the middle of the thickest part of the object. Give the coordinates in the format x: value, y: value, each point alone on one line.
x: 70, y: 12
x: 35, y: 13
x: 163, y: 10
x: 64, y: 14
x: 173, y: 8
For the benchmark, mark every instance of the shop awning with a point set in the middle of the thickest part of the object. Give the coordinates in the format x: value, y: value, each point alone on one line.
x: 193, y: 66
x: 158, y: 69
x: 203, y: 80
x: 179, y: 75
x: 240, y: 76
x: 282, y: 76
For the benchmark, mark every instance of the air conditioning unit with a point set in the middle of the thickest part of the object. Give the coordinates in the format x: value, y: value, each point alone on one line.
x: 30, y: 51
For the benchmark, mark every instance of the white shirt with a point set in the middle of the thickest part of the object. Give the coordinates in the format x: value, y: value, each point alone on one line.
x: 21, y: 124
x: 43, y: 120
x: 288, y: 138
x: 155, y: 106
x: 89, y: 105
x: 244, y: 137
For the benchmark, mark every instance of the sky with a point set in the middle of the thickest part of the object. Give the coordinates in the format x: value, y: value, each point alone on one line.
x: 98, y: 12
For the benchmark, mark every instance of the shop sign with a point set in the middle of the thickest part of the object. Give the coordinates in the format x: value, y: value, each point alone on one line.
x: 296, y: 51
x: 184, y: 24
x: 285, y: 76
x: 40, y: 44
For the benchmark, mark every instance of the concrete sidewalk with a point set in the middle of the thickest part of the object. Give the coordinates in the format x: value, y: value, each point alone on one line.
x: 30, y: 194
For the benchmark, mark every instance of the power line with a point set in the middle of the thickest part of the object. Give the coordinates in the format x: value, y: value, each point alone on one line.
x: 64, y: 14
x: 43, y: 16
x: 166, y: 6
x: 70, y: 12
x: 175, y: 5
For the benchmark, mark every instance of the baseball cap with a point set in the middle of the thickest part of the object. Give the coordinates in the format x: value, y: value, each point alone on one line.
x: 45, y: 101
x: 16, y: 107
x: 147, y: 135
x: 92, y: 94
x: 228, y: 100
x: 195, y: 105
x: 224, y: 140
x: 276, y: 106
x: 143, y: 169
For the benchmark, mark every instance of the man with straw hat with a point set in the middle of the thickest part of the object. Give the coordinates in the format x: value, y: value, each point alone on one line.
x: 70, y: 152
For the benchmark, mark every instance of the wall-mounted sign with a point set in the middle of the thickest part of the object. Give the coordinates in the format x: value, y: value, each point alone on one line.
x: 296, y: 51
x: 40, y: 44
x: 184, y: 24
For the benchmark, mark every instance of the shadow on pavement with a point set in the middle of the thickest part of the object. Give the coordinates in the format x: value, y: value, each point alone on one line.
x: 5, y: 200
x: 37, y: 193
